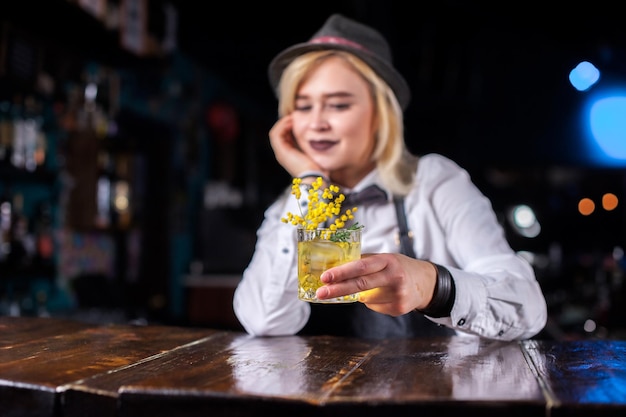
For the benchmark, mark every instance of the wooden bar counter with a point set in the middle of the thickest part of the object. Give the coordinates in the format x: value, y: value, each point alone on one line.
x: 60, y: 368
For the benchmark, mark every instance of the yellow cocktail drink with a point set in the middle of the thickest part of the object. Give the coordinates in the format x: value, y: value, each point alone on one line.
x: 319, y: 250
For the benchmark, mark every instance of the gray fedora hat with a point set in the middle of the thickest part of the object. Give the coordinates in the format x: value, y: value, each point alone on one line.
x: 342, y: 33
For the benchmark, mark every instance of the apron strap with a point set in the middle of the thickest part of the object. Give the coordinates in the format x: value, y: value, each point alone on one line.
x: 406, y: 237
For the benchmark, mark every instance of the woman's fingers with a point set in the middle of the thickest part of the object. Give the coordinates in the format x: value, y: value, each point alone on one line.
x: 393, y: 284
x: 286, y: 150
x: 367, y: 273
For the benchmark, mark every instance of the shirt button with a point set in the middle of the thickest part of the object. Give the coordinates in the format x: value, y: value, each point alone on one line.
x: 501, y: 332
x: 461, y: 322
x: 285, y: 250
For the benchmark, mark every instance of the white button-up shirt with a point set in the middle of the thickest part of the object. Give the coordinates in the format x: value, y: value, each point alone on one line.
x: 453, y: 224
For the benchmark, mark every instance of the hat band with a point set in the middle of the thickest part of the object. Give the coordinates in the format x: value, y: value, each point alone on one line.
x: 339, y: 41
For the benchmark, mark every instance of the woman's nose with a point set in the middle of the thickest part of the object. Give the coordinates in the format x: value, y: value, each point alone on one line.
x: 318, y: 120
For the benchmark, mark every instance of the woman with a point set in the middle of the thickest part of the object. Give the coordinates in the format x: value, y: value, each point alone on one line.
x: 341, y: 108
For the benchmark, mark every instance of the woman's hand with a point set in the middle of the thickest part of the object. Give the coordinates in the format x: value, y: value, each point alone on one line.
x: 388, y: 283
x: 286, y: 150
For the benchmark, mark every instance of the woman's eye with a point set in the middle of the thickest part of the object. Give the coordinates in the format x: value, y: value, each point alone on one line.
x: 340, y: 106
x: 302, y: 107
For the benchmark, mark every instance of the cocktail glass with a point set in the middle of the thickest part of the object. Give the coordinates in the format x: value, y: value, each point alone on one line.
x: 319, y: 250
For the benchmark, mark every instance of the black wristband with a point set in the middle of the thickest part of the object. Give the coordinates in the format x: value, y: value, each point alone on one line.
x: 443, y: 296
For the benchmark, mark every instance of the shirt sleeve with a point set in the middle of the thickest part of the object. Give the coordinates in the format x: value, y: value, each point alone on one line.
x: 497, y: 293
x: 266, y: 300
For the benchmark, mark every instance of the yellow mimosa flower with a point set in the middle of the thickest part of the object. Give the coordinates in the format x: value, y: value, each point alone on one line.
x: 323, y: 206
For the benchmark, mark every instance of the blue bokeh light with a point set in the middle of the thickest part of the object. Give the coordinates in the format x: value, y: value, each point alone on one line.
x: 584, y: 75
x: 607, y: 124
x: 607, y: 120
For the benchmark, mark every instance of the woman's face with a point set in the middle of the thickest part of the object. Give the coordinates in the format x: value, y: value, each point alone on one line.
x: 332, y: 121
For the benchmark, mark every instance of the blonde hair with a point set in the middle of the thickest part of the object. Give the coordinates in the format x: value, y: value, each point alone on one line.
x: 395, y: 163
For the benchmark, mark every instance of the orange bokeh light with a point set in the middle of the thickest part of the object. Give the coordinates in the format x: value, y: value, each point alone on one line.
x: 609, y: 201
x: 586, y: 206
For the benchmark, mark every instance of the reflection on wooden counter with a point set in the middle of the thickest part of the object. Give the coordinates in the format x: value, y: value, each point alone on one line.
x: 59, y: 368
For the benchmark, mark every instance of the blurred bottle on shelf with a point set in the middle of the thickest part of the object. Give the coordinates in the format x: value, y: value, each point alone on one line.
x: 44, y: 239
x: 6, y: 133
x: 6, y: 219
x: 18, y: 144
x: 23, y: 141
x: 21, y: 242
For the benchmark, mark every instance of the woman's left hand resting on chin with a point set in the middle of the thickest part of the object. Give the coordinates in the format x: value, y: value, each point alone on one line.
x: 388, y: 283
